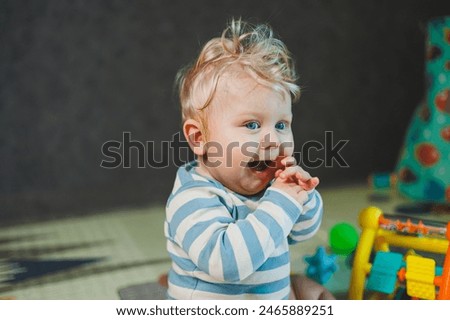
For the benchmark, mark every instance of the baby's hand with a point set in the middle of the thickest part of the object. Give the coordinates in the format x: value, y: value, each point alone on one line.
x: 298, y: 175
x: 294, y: 180
x: 292, y: 189
x: 290, y: 171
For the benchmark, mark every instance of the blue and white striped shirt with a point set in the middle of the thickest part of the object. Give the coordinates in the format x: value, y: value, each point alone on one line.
x: 227, y: 246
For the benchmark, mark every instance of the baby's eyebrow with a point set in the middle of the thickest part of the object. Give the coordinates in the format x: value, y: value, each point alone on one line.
x: 256, y: 114
x: 248, y: 114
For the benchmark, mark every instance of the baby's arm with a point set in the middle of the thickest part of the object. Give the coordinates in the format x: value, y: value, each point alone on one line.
x: 309, y: 221
x: 311, y: 217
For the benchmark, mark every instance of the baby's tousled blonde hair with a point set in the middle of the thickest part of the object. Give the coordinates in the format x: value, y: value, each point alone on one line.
x: 253, y: 48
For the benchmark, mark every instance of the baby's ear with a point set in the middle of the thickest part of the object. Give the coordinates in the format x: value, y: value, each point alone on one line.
x: 193, y: 133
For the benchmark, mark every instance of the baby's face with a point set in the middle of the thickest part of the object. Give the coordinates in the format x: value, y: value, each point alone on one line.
x: 249, y: 131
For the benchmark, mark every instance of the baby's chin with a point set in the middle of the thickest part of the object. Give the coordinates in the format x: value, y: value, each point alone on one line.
x: 250, y: 190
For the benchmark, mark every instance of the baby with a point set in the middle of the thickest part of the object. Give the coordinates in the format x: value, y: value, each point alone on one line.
x: 235, y: 210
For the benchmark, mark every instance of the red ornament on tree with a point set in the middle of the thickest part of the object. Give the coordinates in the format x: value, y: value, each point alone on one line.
x: 427, y: 154
x: 442, y: 101
x: 445, y: 134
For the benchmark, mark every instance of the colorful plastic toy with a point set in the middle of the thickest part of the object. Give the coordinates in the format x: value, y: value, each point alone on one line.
x: 321, y: 265
x: 343, y: 238
x: 382, y: 180
x: 422, y: 278
x: 383, y: 274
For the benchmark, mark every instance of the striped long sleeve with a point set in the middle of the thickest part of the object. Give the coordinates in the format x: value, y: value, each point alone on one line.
x: 309, y: 221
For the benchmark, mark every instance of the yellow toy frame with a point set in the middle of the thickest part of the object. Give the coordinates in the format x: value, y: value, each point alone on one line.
x: 375, y: 236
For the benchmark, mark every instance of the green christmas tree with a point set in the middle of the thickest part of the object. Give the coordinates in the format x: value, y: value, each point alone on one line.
x: 424, y: 168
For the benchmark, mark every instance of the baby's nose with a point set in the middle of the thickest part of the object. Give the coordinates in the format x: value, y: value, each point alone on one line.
x: 269, y: 147
x: 269, y: 141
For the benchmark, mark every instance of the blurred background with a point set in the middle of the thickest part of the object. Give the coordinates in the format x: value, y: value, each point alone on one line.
x: 76, y: 74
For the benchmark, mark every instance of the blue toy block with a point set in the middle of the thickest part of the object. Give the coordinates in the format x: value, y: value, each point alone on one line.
x: 383, y: 275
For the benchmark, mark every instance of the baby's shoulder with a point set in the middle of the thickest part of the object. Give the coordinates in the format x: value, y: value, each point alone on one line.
x: 199, y: 189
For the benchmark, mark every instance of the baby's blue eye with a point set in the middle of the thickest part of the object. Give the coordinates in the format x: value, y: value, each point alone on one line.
x: 280, y: 126
x: 252, y: 125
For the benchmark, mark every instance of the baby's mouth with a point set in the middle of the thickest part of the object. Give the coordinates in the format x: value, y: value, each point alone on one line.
x: 261, y: 165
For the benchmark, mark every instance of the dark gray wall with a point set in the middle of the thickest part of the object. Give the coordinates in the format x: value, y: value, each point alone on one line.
x: 75, y: 74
